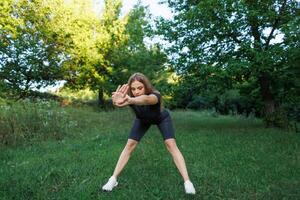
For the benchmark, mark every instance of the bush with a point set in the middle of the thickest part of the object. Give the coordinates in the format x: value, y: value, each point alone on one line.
x: 198, y: 103
x: 25, y: 120
x: 278, y: 118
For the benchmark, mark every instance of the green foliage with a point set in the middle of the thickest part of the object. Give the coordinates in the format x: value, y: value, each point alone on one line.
x: 112, y: 50
x: 40, y: 119
x: 82, y: 95
x: 25, y: 121
x: 278, y: 119
x: 134, y: 55
x: 30, y: 57
x: 45, y: 41
x: 218, y: 46
x: 198, y: 103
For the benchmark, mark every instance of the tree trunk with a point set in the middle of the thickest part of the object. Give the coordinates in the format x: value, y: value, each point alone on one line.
x: 100, y: 97
x: 267, y: 96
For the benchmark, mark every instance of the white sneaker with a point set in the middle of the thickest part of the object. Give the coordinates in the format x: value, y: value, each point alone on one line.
x: 111, y: 183
x: 189, y: 187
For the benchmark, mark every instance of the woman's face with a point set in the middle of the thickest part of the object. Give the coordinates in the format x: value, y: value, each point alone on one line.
x: 137, y: 88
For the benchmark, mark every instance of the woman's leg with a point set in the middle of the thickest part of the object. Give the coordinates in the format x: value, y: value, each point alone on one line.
x: 167, y: 131
x: 138, y: 130
x: 180, y: 164
x: 177, y: 157
x: 124, y: 157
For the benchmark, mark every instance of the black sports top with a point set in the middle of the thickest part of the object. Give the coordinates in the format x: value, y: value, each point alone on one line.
x: 152, y: 113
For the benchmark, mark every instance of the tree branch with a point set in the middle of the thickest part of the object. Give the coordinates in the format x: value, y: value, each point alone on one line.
x: 230, y: 33
x: 253, y: 22
x: 276, y: 22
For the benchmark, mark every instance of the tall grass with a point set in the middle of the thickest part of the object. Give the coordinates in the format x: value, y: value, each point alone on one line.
x: 24, y: 120
x: 228, y: 157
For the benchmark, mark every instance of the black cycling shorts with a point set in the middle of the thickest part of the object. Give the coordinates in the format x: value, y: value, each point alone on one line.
x: 140, y: 127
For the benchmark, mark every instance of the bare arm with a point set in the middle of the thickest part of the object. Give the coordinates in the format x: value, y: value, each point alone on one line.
x: 150, y: 99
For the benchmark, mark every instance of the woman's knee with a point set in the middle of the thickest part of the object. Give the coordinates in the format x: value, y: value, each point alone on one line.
x: 131, y: 144
x: 171, y: 145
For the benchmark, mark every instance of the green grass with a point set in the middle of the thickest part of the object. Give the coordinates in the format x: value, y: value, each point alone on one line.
x: 228, y: 157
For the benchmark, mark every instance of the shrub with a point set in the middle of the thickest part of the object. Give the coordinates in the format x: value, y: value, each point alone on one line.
x: 278, y: 118
x: 198, y: 103
x: 25, y: 120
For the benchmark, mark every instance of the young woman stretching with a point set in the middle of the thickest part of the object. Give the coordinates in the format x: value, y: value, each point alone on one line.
x: 145, y: 101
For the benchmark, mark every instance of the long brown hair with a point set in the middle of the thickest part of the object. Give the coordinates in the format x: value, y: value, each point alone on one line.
x: 143, y: 79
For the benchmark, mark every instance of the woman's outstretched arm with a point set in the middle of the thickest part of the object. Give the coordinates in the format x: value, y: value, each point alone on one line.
x: 150, y: 99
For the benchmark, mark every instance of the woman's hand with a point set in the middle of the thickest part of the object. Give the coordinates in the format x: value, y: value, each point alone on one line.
x: 120, y: 95
x: 125, y: 103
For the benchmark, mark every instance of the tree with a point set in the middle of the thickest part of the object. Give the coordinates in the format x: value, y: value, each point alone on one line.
x: 88, y: 44
x: 45, y: 41
x: 30, y: 56
x: 134, y: 55
x: 234, y: 39
x: 115, y: 52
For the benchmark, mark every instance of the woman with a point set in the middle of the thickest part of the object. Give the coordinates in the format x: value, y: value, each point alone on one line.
x: 145, y: 101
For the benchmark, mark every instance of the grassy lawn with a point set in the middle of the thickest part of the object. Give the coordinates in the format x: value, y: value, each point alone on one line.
x: 228, y: 157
